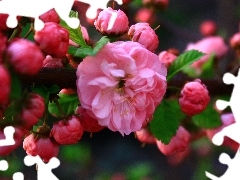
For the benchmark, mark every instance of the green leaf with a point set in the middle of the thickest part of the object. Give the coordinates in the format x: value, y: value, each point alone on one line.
x: 75, y: 34
x: 45, y: 91
x: 104, y: 40
x: 82, y: 52
x: 183, y: 61
x: 166, y: 120
x: 209, y: 118
x: 207, y: 68
x: 68, y: 103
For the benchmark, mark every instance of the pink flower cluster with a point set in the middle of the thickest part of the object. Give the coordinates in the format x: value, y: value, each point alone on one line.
x: 121, y: 85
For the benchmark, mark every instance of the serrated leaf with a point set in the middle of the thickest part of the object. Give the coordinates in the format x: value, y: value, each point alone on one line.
x: 183, y: 61
x: 209, y: 118
x: 82, y: 52
x: 75, y: 34
x: 166, y: 119
x: 104, y: 40
x: 67, y: 102
x: 207, y: 68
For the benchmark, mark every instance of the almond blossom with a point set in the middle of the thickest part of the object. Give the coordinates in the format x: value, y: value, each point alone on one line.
x: 121, y: 85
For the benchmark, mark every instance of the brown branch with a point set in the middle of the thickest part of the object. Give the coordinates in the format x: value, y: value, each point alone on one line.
x: 62, y: 77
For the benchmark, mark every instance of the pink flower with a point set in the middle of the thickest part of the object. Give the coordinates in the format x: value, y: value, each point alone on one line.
x: 106, y: 26
x: 145, y: 35
x: 167, y: 58
x: 194, y: 98
x: 227, y: 119
x: 208, y: 45
x: 177, y: 144
x: 121, y: 86
x: 45, y: 147
x: 67, y: 131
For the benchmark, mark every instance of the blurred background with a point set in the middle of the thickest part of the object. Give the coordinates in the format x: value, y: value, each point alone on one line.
x: 107, y: 155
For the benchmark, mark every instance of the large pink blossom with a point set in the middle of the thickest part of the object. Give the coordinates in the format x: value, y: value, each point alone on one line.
x: 121, y: 85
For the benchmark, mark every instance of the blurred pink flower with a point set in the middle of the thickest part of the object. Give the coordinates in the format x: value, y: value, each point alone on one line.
x: 121, y: 86
x: 177, y: 144
x: 208, y: 45
x: 167, y: 58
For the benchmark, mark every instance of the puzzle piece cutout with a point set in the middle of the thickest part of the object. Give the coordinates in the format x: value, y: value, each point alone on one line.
x: 232, y: 172
x: 3, y: 165
x: 232, y: 131
x: 44, y: 169
x: 8, y: 132
x: 35, y: 8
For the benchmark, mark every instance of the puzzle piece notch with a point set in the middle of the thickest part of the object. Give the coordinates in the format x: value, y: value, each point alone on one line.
x: 229, y: 78
x: 44, y: 169
x: 35, y: 8
x: 9, y: 140
x: 232, y: 131
x: 233, y: 167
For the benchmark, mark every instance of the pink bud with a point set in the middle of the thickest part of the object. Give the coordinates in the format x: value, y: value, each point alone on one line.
x: 178, y: 157
x: 5, y: 85
x: 235, y: 41
x: 51, y: 62
x: 85, y: 33
x: 194, y: 98
x: 108, y: 25
x: 67, y: 131
x: 89, y: 124
x: 167, y: 58
x: 3, y: 45
x: 33, y: 110
x: 208, y: 28
x: 145, y: 136
x: 46, y: 147
x: 145, y: 35
x: 50, y: 16
x: 177, y: 144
